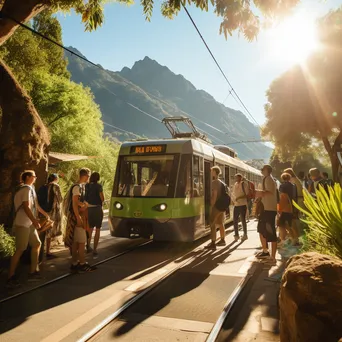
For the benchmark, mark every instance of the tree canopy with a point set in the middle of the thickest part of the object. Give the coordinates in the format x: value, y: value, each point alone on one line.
x: 305, y: 103
x: 67, y: 109
x: 301, y: 161
x: 237, y: 15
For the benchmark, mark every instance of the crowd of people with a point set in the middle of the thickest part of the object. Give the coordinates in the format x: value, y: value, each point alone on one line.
x: 272, y: 204
x: 38, y: 217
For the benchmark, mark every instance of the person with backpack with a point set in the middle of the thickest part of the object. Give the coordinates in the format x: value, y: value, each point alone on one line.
x: 75, y: 208
x: 285, y: 210
x: 250, y: 197
x: 220, y: 201
x: 303, y: 179
x: 329, y: 181
x: 317, y: 180
x: 50, y: 199
x: 240, y: 193
x: 25, y: 226
x: 267, y: 216
x: 297, y: 197
x: 95, y: 198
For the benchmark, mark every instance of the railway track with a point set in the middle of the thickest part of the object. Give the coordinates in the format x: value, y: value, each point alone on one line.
x: 66, y: 275
x: 95, y: 333
x: 178, y: 256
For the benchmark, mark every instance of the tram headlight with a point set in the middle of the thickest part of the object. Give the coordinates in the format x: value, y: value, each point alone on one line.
x: 118, y: 206
x: 160, y: 207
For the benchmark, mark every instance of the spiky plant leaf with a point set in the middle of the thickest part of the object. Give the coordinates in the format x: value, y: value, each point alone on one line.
x: 323, y: 216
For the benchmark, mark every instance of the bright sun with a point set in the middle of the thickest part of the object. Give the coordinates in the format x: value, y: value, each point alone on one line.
x: 293, y: 40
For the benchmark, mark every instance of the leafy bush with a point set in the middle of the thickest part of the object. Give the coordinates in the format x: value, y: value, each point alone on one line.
x: 323, y: 216
x: 7, y: 244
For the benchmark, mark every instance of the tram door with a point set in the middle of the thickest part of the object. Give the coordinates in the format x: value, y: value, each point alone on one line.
x: 207, y: 190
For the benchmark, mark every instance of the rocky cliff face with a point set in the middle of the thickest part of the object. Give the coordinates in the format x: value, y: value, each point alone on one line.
x: 137, y: 99
x: 311, y: 299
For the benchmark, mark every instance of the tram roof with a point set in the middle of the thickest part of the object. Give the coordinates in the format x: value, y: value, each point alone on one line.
x: 188, y: 145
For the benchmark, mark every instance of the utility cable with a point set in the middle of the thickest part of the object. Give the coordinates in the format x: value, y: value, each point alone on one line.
x: 2, y: 15
x: 97, y: 66
x: 232, y: 90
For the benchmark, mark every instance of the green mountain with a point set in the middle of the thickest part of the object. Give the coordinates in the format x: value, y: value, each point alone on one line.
x: 136, y: 100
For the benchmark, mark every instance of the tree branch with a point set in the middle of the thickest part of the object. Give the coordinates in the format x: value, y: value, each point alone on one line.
x: 327, y: 145
x: 338, y: 140
x: 57, y: 118
x: 21, y: 11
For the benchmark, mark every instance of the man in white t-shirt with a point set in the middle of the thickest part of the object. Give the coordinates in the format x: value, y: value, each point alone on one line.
x: 25, y: 227
x: 240, y: 190
x: 266, y: 224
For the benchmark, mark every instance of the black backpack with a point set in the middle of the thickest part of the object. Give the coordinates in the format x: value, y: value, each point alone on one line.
x: 13, y: 212
x: 223, y: 202
x: 45, y: 199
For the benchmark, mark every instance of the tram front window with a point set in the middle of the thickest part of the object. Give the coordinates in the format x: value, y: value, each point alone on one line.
x: 146, y: 176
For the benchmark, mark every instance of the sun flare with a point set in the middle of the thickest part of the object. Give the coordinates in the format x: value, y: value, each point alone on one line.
x: 293, y: 40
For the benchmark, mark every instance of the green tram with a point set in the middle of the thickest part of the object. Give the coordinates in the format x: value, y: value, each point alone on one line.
x: 162, y: 188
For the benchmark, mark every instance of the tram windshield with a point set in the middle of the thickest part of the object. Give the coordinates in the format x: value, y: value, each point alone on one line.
x: 147, y: 176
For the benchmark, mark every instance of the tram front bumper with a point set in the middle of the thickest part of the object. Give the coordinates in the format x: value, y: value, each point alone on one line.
x: 161, y: 230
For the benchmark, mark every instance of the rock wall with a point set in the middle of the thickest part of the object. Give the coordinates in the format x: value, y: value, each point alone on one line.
x: 24, y: 139
x: 311, y: 299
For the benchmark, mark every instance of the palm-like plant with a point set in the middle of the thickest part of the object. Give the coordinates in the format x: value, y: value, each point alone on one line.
x: 323, y: 215
x: 7, y: 247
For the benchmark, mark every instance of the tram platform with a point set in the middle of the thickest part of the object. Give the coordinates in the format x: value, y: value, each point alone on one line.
x: 75, y: 305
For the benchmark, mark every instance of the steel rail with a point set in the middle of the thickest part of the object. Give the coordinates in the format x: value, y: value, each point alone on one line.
x: 93, y: 332
x: 227, y: 308
x: 69, y: 274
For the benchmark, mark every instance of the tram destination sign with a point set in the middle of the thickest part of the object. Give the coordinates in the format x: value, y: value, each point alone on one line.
x: 148, y: 149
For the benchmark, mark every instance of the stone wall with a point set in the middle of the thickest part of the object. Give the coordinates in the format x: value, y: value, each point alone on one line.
x: 311, y: 299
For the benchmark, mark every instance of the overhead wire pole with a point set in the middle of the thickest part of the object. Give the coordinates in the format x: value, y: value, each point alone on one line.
x: 232, y: 91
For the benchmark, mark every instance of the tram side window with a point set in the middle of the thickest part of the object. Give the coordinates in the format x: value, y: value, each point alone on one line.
x: 221, y: 176
x: 197, y: 172
x: 232, y: 172
x: 184, y: 186
x: 226, y: 176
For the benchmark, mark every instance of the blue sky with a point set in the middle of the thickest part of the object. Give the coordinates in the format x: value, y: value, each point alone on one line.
x: 126, y: 37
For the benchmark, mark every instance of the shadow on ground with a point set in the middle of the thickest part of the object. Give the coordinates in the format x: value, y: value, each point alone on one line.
x: 166, y: 297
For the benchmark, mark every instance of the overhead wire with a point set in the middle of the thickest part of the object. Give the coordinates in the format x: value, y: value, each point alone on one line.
x: 120, y: 129
x: 232, y: 90
x: 104, y: 70
x: 191, y: 116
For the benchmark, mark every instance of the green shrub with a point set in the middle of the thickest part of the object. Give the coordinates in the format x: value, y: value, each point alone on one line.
x: 323, y: 216
x: 7, y: 244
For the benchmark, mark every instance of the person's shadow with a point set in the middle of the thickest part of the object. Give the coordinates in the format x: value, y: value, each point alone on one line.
x: 186, y: 280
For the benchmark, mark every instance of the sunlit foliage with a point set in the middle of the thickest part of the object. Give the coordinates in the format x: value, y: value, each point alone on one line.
x: 66, y: 108
x: 324, y: 219
x: 305, y: 102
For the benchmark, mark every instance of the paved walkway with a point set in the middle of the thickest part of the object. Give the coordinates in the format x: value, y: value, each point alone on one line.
x: 255, y: 316
x: 54, y: 268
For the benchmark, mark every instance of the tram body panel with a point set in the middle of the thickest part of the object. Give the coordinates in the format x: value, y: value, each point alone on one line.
x: 172, y: 175
x: 182, y: 219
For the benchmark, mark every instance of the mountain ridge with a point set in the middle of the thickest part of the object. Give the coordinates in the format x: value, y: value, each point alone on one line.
x: 136, y: 100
